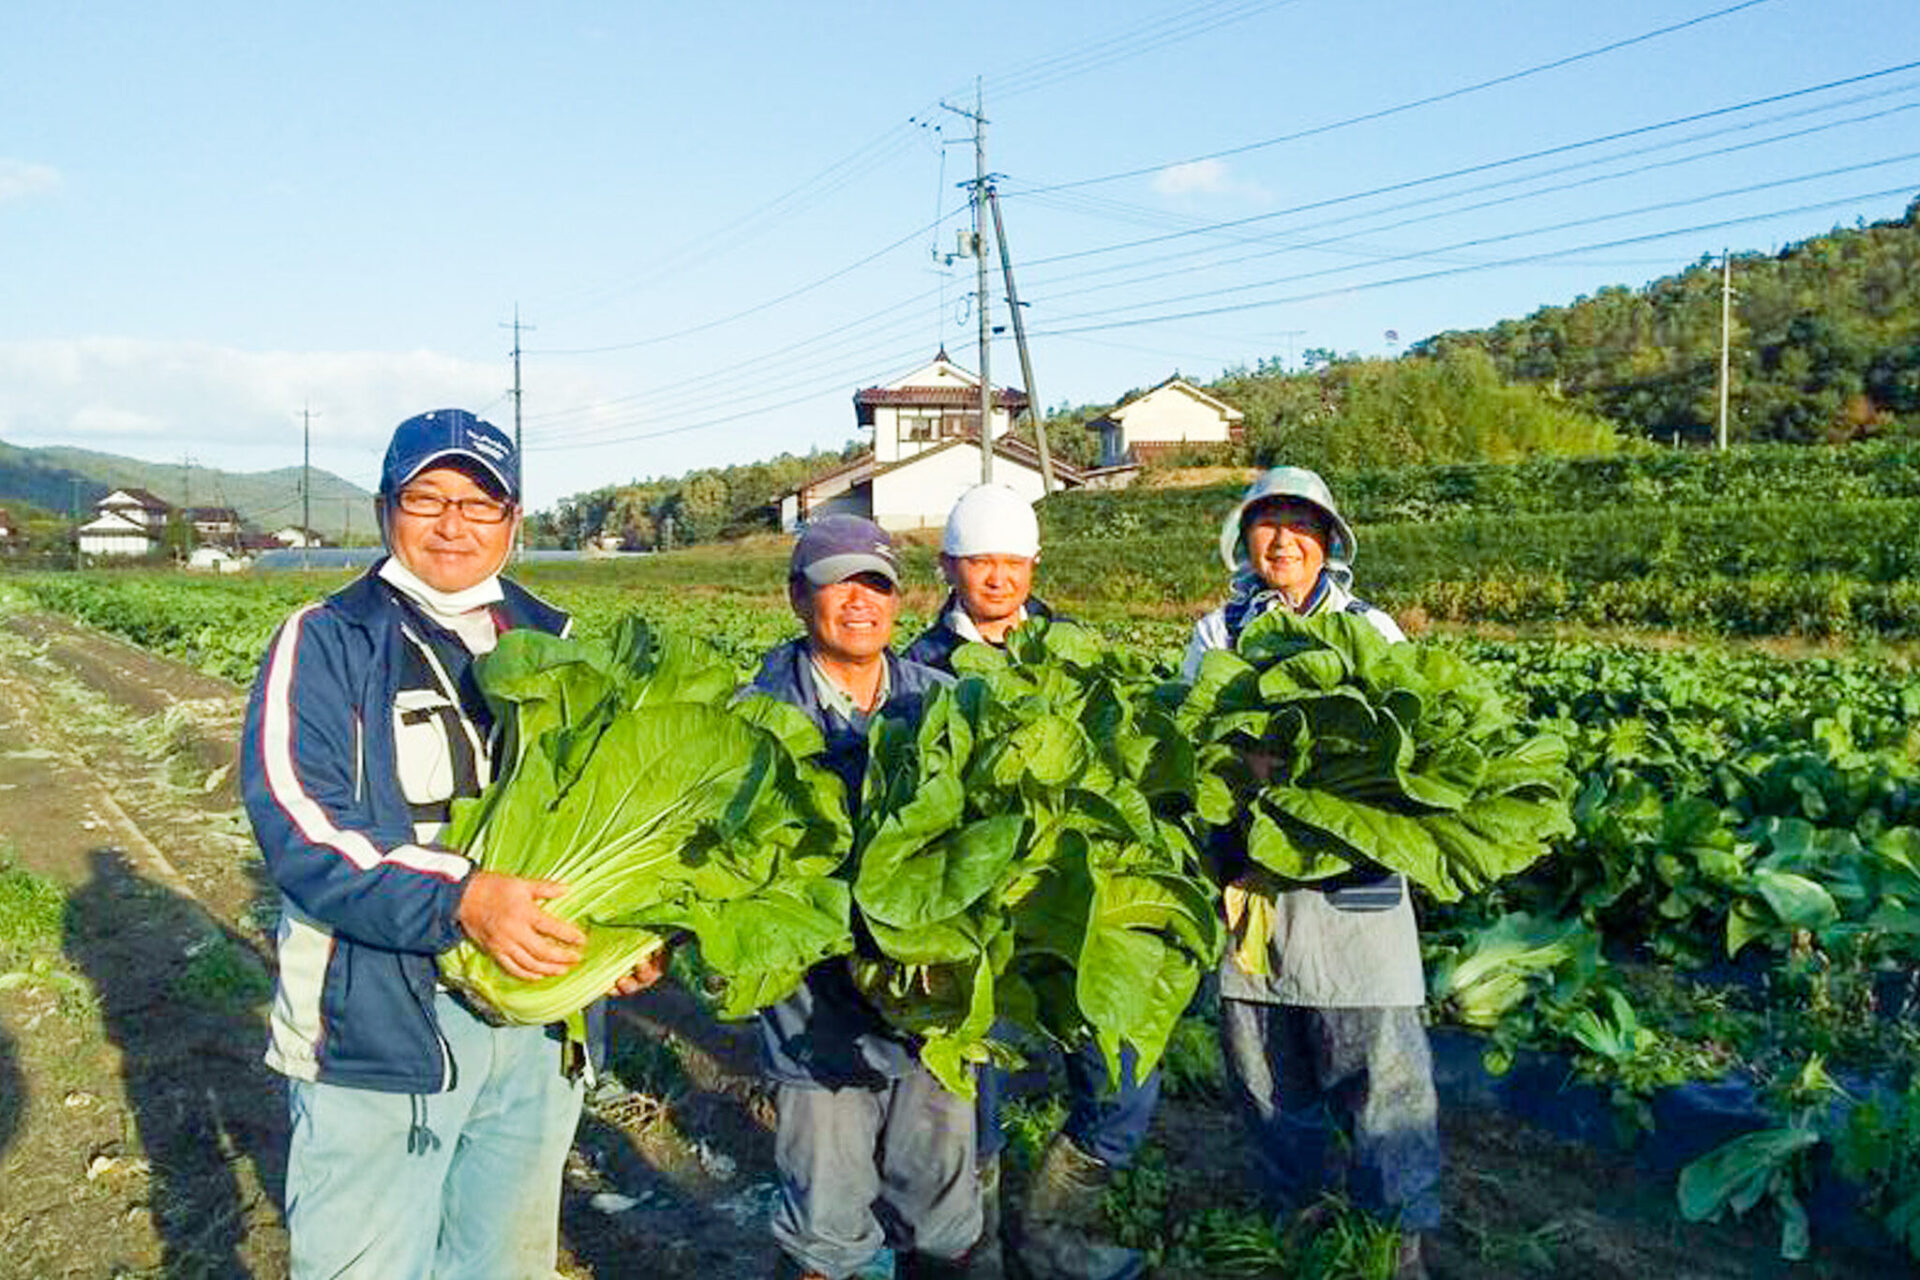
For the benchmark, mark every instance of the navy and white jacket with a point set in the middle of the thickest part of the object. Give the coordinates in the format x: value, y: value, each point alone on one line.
x: 363, y: 726
x: 826, y: 1035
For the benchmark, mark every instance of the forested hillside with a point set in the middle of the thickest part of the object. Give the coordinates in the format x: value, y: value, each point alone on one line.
x: 1825, y: 343
x: 69, y: 481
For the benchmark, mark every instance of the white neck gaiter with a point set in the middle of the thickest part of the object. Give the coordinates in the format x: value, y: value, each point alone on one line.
x: 464, y: 612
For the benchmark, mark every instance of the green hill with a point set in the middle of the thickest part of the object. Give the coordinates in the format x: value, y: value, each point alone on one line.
x: 67, y: 480
x: 1825, y: 343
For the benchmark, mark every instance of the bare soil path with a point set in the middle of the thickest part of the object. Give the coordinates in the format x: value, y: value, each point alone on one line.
x: 141, y: 1136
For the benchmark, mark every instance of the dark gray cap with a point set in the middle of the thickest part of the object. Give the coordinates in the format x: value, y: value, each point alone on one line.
x: 835, y: 548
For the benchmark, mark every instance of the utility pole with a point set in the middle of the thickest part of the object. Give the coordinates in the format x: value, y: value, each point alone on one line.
x: 346, y: 522
x: 1726, y: 338
x: 979, y: 185
x: 1020, y: 342
x: 186, y: 503
x: 306, y: 486
x: 519, y: 458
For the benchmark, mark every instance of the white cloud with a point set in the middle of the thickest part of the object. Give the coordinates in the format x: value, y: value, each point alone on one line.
x: 1199, y: 176
x: 20, y: 180
x: 1205, y: 178
x: 229, y: 408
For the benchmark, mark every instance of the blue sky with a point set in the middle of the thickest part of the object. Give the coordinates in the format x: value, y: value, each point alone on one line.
x: 721, y: 220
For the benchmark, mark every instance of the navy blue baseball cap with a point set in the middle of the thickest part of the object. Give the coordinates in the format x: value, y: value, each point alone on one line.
x: 837, y: 547
x: 421, y: 441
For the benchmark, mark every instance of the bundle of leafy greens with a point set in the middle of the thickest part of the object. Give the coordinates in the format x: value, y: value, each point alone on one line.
x: 1332, y: 749
x: 629, y: 773
x: 1020, y: 858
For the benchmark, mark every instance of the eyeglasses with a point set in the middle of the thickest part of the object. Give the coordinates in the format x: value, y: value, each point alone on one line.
x: 431, y: 506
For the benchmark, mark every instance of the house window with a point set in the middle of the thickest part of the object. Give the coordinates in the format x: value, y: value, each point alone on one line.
x: 953, y: 426
x: 917, y: 426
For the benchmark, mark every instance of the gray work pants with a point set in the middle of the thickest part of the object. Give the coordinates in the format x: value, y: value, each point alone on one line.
x: 861, y: 1168
x: 1339, y: 1097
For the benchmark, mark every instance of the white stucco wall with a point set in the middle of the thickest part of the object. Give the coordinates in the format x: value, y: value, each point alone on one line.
x: 1171, y: 416
x: 919, y: 495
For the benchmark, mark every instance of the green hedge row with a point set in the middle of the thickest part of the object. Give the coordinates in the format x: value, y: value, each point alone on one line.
x: 1871, y: 542
x: 1663, y: 478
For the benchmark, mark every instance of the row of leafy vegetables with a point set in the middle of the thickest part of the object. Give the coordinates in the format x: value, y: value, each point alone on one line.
x: 1030, y: 863
x: 1749, y: 828
x: 1027, y: 861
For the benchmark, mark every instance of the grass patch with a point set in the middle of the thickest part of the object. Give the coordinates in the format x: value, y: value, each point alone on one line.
x: 223, y: 975
x: 649, y: 1065
x: 33, y: 913
x: 1030, y: 1124
x: 1192, y: 1066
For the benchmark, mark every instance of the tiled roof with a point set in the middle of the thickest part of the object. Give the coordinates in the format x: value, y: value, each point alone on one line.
x: 147, y: 501
x: 938, y: 397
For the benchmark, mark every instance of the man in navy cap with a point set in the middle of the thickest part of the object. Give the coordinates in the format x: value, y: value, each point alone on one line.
x: 425, y: 1142
x: 870, y: 1149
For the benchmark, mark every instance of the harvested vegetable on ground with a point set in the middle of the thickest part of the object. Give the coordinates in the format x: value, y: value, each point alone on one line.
x: 1339, y: 750
x: 1020, y: 858
x: 630, y: 774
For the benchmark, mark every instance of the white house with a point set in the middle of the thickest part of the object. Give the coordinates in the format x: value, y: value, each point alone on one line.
x: 1174, y: 415
x: 132, y: 522
x: 925, y: 452
x: 213, y: 559
x: 215, y: 524
x: 8, y: 530
x: 294, y: 536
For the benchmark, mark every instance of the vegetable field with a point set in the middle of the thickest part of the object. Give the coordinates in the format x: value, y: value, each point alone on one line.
x: 1737, y: 902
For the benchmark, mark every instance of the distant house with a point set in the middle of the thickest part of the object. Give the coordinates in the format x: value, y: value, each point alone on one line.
x: 9, y: 531
x: 131, y: 522
x: 214, y: 524
x: 215, y: 559
x: 294, y: 536
x: 1174, y: 415
x: 924, y: 430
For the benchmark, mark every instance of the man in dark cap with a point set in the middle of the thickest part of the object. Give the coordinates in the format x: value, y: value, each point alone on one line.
x: 425, y: 1142
x: 871, y: 1151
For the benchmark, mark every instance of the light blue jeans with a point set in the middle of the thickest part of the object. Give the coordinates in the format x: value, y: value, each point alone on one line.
x: 463, y: 1185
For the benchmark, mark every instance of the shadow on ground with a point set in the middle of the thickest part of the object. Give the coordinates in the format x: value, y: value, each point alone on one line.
x: 181, y: 1002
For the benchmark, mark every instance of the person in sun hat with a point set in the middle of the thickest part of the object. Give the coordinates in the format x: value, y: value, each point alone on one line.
x: 871, y: 1151
x: 1326, y: 1052
x: 988, y: 551
x: 424, y: 1140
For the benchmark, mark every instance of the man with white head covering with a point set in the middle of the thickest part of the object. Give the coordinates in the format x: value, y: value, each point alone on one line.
x: 425, y: 1141
x: 988, y: 553
x: 1325, y: 1048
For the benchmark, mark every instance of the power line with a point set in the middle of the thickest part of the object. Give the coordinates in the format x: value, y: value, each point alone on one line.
x: 1364, y: 286
x: 1544, y: 256
x: 1415, y: 104
x: 1469, y: 170
x: 1292, y: 245
x: 1481, y: 241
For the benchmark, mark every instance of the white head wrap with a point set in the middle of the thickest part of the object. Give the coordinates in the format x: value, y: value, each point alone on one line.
x: 992, y: 520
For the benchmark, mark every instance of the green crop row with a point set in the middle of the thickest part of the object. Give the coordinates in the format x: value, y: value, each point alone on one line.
x: 1655, y: 478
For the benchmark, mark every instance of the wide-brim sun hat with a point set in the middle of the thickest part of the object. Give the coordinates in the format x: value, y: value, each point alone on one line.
x: 1286, y: 483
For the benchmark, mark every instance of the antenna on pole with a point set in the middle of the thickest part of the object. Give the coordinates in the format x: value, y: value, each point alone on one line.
x: 1020, y: 344
x: 979, y: 185
x: 519, y: 458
